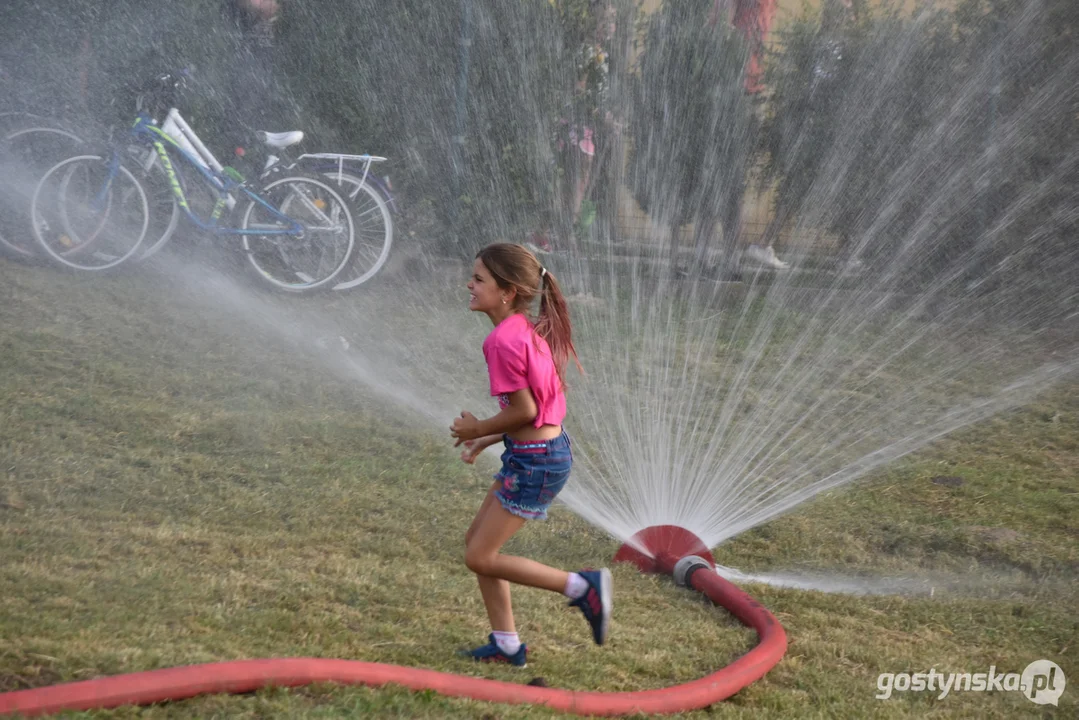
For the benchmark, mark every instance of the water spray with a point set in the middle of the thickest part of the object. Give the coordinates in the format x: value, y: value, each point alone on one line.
x: 666, y: 549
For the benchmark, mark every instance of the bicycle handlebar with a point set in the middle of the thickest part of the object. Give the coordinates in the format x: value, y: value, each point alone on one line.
x: 162, y: 90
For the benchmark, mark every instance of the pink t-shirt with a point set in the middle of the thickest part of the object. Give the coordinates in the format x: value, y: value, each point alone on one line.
x: 518, y: 358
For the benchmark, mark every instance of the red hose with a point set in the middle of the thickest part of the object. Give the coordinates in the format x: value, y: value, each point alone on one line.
x: 179, y: 683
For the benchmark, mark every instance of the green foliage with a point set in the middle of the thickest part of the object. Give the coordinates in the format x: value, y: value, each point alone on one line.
x: 841, y: 96
x: 388, y: 75
x: 1032, y: 138
x: 955, y: 126
x: 84, y: 61
x: 692, y: 119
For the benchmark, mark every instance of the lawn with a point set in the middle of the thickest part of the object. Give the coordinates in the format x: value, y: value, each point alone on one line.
x: 178, y: 488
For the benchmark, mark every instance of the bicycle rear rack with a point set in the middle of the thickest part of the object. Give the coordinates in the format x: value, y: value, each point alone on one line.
x: 342, y: 159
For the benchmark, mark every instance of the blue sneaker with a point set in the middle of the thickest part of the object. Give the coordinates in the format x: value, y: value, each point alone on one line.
x: 596, y: 603
x: 492, y: 653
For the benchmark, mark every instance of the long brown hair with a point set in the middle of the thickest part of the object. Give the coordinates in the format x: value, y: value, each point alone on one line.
x: 513, y: 266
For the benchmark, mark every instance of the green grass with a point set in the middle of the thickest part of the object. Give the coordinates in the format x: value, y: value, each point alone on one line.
x: 174, y: 491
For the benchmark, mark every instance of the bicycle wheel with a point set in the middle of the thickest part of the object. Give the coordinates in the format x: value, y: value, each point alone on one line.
x: 374, y: 229
x: 299, y: 263
x: 25, y: 155
x: 89, y: 214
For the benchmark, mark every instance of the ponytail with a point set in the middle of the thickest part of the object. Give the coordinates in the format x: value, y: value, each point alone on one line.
x: 553, y: 324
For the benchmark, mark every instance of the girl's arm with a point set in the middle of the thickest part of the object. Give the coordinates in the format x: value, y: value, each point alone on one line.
x: 487, y: 440
x: 519, y: 413
x: 474, y: 447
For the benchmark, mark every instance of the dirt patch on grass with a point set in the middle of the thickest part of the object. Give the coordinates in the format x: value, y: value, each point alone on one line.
x: 996, y: 535
x: 33, y: 676
x: 952, y: 481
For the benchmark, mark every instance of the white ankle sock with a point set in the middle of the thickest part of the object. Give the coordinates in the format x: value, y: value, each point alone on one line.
x: 507, y: 642
x: 576, y: 586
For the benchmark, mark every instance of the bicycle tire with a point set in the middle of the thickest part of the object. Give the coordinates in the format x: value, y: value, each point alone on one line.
x: 16, y: 235
x: 67, y: 219
x: 285, y: 243
x: 365, y: 201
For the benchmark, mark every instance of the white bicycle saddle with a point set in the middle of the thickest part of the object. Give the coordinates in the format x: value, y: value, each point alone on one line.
x: 283, y: 139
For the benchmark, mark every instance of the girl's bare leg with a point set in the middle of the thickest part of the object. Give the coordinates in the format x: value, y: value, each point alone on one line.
x: 490, y: 532
x: 495, y: 592
x: 488, y: 499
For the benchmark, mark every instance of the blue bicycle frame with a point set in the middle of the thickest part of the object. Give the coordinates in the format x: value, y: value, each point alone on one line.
x: 102, y: 196
x: 145, y: 132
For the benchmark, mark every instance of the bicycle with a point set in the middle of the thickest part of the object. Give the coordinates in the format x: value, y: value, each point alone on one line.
x: 369, y: 196
x: 90, y: 212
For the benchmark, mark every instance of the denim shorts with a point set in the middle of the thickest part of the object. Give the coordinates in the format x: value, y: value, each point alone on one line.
x: 532, y: 475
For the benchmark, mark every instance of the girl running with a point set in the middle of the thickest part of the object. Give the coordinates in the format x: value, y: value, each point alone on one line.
x: 526, y: 362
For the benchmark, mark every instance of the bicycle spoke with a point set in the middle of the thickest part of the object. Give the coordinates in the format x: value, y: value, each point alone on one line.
x: 304, y: 261
x: 89, y: 214
x: 313, y: 207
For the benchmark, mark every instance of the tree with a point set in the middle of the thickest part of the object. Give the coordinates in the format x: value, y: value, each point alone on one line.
x: 692, y: 122
x: 939, y: 146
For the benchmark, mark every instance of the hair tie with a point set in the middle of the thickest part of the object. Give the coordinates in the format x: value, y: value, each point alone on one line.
x: 543, y: 272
